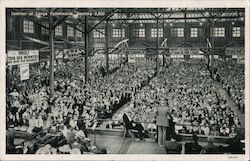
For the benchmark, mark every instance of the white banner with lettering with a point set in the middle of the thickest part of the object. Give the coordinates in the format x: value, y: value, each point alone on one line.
x: 22, y: 57
x: 24, y: 71
x: 72, y: 53
x: 131, y: 58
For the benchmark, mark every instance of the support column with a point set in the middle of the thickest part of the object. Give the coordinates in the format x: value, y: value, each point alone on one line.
x: 121, y: 40
x: 86, y: 40
x: 212, y: 57
x: 164, y: 60
x: 52, y: 56
x: 163, y: 56
x: 157, y: 47
x: 107, y: 47
x: 129, y: 37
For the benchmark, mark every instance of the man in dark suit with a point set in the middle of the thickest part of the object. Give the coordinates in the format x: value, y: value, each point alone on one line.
x: 130, y: 124
x: 162, y: 122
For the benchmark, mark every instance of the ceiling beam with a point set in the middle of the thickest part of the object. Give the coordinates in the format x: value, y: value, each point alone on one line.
x: 71, y: 43
x: 174, y: 18
x: 103, y: 19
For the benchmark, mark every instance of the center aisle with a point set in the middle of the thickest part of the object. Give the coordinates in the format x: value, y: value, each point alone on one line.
x: 119, y: 113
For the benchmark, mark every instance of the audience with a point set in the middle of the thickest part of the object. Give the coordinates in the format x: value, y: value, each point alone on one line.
x: 231, y: 75
x: 195, y: 104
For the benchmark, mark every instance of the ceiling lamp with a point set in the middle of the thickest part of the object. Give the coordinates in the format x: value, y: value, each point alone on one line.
x: 38, y: 16
x: 171, y: 24
x: 206, y: 14
x: 75, y: 15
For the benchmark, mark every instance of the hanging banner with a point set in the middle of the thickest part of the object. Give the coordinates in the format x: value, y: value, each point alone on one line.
x: 235, y: 51
x: 72, y: 53
x: 137, y: 50
x: 22, y: 57
x: 131, y: 58
x: 24, y: 72
x: 184, y: 51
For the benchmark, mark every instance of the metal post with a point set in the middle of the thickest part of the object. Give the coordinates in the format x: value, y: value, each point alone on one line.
x: 212, y: 58
x: 164, y: 59
x: 75, y: 35
x: 157, y: 47
x: 86, y: 40
x: 163, y: 55
x: 129, y: 37
x: 52, y: 56
x: 107, y: 47
x: 121, y: 40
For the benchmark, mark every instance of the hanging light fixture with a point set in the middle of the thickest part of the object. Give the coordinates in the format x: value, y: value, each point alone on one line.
x: 75, y: 15
x: 38, y: 16
x: 206, y: 14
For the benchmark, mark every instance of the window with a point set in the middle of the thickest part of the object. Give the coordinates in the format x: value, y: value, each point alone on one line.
x: 177, y: 32
x: 117, y: 33
x: 219, y: 32
x: 70, y: 31
x: 236, y: 31
x: 99, y: 33
x: 10, y: 24
x: 154, y: 32
x: 58, y: 30
x: 28, y: 26
x: 139, y: 32
x: 45, y: 31
x: 194, y: 32
x: 79, y: 33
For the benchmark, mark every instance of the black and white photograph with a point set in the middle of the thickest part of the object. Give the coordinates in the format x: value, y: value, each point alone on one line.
x: 125, y: 80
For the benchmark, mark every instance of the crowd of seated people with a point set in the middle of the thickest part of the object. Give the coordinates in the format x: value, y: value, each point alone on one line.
x: 31, y: 109
x: 72, y: 94
x: 65, y: 137
x: 194, y: 101
x: 231, y: 75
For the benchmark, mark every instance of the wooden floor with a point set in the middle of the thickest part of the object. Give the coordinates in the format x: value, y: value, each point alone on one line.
x: 118, y: 145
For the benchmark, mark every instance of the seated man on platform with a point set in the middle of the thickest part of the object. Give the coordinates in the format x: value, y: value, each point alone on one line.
x: 131, y: 125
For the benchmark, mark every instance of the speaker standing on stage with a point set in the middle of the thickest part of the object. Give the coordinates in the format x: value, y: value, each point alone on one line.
x: 162, y: 122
